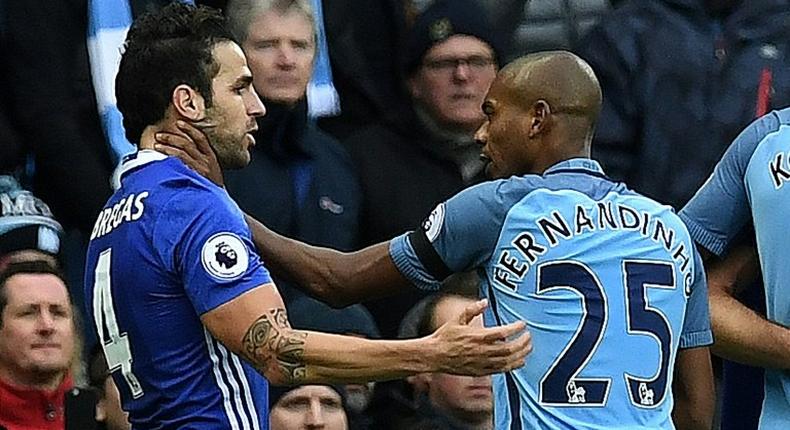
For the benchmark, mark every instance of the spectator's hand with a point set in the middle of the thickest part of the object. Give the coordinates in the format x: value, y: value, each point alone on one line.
x: 468, y: 350
x: 191, y: 146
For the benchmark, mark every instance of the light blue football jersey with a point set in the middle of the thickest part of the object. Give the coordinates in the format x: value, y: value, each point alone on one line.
x: 169, y: 247
x: 750, y: 183
x: 608, y: 282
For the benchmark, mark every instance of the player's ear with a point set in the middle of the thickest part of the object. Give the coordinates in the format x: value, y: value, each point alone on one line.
x: 188, y: 103
x: 541, y: 116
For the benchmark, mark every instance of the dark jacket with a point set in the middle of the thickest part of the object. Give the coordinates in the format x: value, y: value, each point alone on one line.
x: 50, y: 103
x: 403, y: 177
x: 365, y: 40
x: 300, y: 182
x: 679, y: 84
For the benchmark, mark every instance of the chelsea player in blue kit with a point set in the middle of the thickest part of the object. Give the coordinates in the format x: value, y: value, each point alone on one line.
x: 187, y: 315
x: 750, y: 185
x: 609, y: 282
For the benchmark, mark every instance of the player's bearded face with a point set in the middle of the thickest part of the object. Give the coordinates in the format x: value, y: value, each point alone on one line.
x: 234, y: 106
x: 230, y: 141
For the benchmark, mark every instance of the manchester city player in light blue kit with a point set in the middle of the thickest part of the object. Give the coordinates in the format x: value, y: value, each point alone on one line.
x: 609, y: 282
x: 188, y: 318
x: 750, y: 185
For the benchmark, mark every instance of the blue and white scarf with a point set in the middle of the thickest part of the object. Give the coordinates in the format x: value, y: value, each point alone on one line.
x: 108, y: 22
x: 322, y: 98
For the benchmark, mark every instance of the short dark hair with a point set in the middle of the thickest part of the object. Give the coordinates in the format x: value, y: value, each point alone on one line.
x: 164, y: 49
x: 427, y: 321
x: 24, y: 267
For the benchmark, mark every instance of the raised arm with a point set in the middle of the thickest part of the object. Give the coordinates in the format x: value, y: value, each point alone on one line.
x: 742, y: 334
x: 255, y: 326
x: 337, y: 278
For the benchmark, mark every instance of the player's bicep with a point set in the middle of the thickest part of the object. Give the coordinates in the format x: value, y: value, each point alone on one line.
x: 457, y: 236
x: 210, y: 251
x: 739, y: 269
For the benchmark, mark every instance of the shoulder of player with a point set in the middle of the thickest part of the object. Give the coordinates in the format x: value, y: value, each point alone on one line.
x: 502, y: 193
x: 770, y: 125
x: 176, y: 178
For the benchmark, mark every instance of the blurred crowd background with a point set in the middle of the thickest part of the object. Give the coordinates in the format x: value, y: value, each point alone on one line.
x: 368, y: 127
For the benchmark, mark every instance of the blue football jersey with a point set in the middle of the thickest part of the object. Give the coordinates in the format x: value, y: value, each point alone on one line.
x: 750, y: 183
x: 168, y: 247
x: 608, y: 282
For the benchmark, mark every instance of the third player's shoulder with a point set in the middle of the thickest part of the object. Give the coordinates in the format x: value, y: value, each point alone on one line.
x: 771, y: 124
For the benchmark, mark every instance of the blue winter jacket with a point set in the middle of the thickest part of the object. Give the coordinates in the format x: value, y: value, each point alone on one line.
x: 679, y: 85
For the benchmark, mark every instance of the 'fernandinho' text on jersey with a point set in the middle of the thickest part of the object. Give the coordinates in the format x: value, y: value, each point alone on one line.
x: 608, y: 282
x: 750, y: 183
x: 169, y: 247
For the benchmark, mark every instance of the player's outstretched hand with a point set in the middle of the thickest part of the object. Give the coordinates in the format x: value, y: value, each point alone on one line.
x: 464, y: 349
x: 190, y: 145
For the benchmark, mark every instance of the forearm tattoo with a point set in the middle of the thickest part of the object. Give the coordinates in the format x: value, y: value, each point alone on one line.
x: 270, y: 341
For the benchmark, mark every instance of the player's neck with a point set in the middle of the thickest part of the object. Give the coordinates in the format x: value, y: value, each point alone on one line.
x: 147, y: 140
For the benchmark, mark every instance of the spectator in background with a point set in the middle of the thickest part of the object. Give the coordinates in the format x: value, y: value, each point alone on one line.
x: 452, y: 60
x: 549, y: 24
x: 680, y: 80
x: 38, y: 344
x: 27, y: 229
x: 365, y: 42
x: 307, y: 407
x: 108, y: 408
x: 354, y: 320
x: 300, y: 181
x: 51, y: 104
x: 439, y: 401
x: 457, y: 402
x: 669, y: 114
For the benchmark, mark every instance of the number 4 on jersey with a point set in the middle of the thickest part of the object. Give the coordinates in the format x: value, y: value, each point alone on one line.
x: 116, y: 348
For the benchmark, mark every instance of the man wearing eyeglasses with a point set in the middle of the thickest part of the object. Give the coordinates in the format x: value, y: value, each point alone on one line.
x: 451, y: 59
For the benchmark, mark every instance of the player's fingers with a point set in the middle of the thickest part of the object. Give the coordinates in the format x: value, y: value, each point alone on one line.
x: 182, y: 155
x: 197, y: 136
x: 500, y: 333
x: 509, y: 355
x: 471, y: 311
x: 182, y: 142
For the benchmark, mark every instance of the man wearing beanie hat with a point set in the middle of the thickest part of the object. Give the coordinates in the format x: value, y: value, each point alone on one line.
x: 452, y: 58
x: 27, y: 228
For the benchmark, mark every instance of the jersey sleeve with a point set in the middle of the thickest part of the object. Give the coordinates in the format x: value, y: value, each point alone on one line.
x: 457, y: 236
x: 696, y: 330
x: 203, y: 239
x: 719, y: 209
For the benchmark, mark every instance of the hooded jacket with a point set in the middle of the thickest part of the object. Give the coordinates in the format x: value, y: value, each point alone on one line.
x: 679, y: 83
